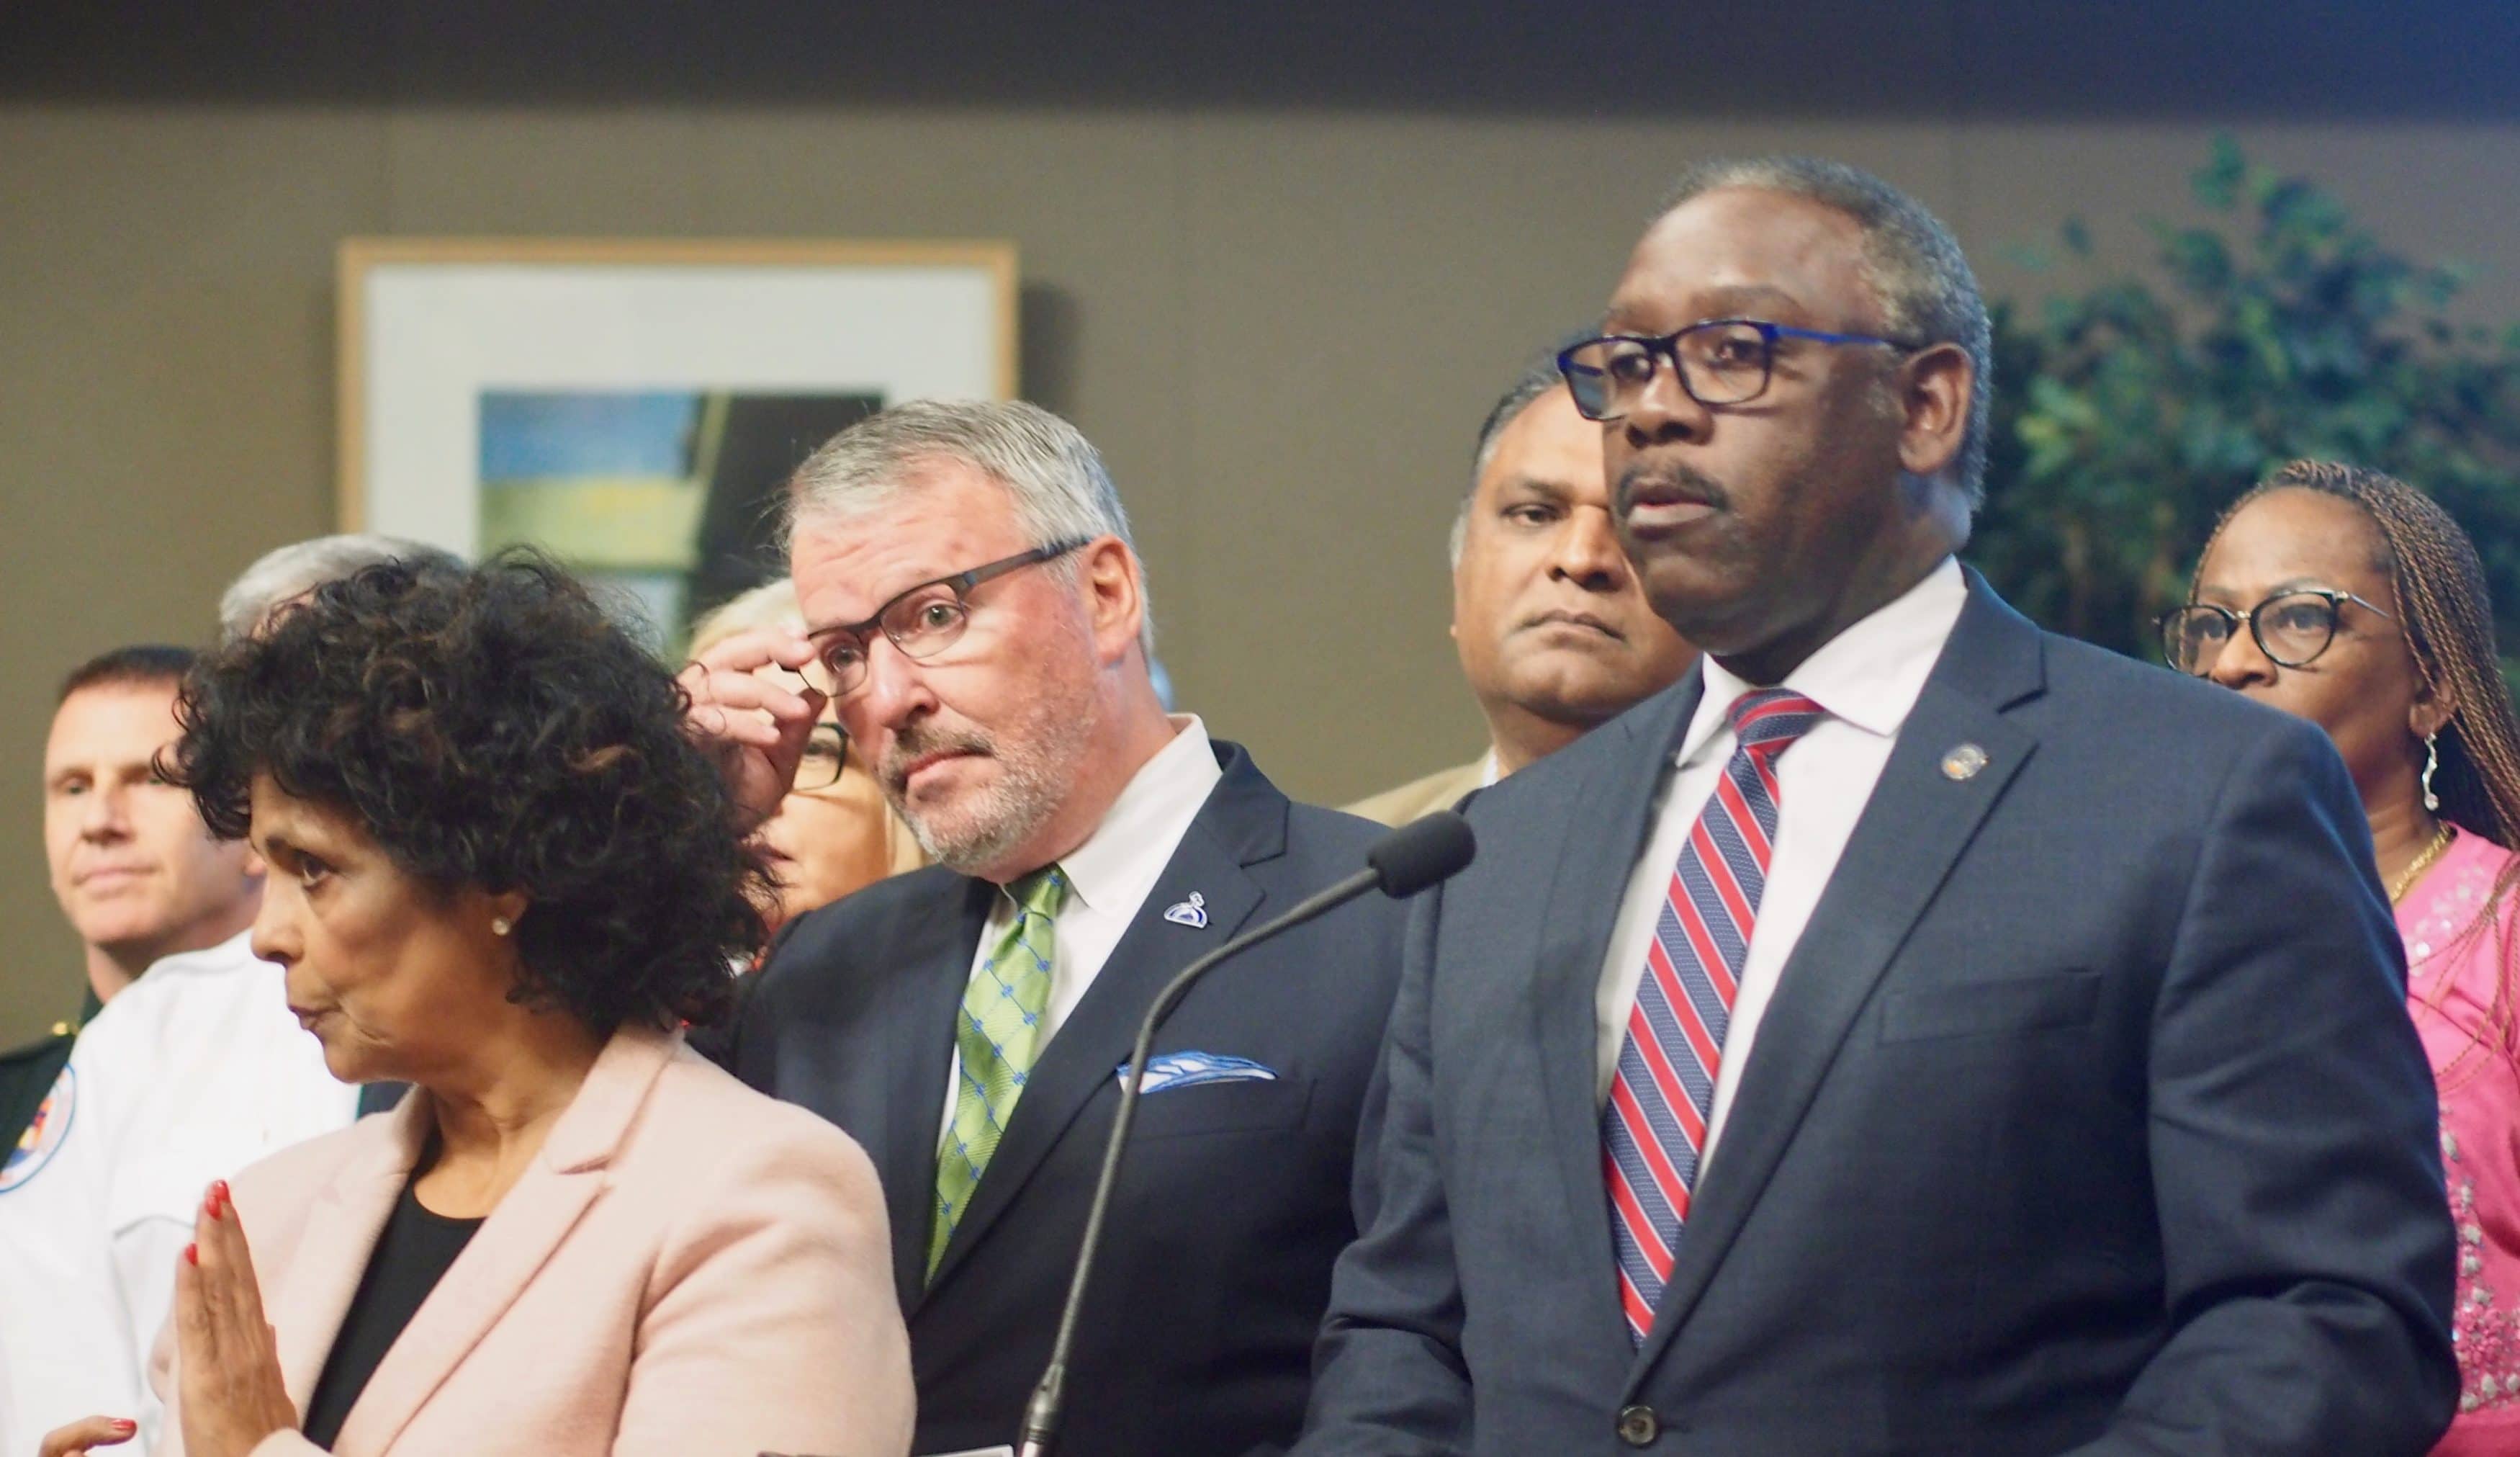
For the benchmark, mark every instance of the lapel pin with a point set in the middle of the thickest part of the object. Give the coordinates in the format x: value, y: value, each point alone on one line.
x: 1963, y: 762
x: 1191, y: 912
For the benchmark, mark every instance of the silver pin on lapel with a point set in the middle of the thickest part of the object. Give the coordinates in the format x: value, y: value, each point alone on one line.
x: 1191, y: 912
x: 1963, y: 762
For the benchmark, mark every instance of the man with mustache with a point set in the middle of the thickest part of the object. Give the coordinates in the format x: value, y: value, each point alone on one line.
x: 978, y: 622
x: 1912, y: 1033
x: 1554, y: 636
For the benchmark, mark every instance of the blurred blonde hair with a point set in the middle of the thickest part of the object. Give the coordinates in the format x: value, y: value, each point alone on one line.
x: 770, y: 604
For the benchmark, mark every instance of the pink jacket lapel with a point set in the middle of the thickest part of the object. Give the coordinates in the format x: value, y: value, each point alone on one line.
x: 340, y: 1232
x: 512, y: 1244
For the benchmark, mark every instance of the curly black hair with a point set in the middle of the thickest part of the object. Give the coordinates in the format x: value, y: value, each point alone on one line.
x: 492, y: 728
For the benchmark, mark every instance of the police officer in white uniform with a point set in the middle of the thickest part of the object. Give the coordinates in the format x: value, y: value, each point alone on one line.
x: 196, y: 1072
x: 192, y: 1070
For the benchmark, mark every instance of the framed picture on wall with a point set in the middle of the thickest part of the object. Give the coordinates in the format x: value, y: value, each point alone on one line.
x: 634, y: 406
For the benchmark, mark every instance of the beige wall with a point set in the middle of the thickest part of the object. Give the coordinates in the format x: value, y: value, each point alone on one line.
x: 1282, y: 325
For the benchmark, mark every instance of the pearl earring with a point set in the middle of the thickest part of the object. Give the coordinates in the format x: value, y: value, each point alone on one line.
x: 499, y: 926
x: 2432, y: 762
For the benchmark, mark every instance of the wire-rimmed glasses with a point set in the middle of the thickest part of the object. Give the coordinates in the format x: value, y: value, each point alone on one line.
x: 1718, y: 362
x: 922, y: 622
x: 2292, y: 629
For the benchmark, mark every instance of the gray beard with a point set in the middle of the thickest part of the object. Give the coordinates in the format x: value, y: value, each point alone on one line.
x: 1037, y: 772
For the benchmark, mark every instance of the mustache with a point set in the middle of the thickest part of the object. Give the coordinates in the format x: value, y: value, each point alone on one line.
x: 1668, y: 482
x: 921, y: 740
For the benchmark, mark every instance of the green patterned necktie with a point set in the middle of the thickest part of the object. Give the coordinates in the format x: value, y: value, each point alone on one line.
x: 999, y: 1032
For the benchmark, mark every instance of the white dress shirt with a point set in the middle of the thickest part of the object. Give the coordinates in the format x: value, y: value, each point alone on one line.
x: 1868, y: 678
x: 1108, y: 876
x: 191, y: 1073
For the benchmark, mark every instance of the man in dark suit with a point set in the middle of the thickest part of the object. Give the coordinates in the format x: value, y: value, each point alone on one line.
x: 979, y: 626
x: 1912, y: 1034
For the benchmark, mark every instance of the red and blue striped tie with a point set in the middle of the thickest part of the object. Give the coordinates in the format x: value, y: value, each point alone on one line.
x: 1654, y: 1128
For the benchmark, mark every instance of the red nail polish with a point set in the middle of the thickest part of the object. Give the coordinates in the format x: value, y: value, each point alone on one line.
x: 124, y: 1426
x: 192, y: 1254
x: 220, y: 1187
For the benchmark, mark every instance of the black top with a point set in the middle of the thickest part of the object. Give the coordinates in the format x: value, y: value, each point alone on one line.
x: 411, y: 1256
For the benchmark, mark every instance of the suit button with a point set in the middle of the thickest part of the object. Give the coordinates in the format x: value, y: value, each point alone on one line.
x: 1639, y: 1427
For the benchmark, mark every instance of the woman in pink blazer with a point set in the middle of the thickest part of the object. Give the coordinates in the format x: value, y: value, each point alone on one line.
x: 502, y: 874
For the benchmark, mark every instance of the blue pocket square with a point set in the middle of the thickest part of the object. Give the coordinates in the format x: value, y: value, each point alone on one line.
x: 1185, y: 1070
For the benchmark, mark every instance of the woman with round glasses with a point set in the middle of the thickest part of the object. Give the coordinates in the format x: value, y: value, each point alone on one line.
x: 2352, y: 600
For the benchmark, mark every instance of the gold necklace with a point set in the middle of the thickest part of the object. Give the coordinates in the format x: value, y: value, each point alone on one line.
x: 2423, y: 862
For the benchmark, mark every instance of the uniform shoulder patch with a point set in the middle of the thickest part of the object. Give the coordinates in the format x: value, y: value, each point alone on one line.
x: 44, y: 1134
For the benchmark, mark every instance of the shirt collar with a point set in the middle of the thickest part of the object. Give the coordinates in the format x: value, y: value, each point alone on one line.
x: 1867, y: 676
x: 236, y: 950
x: 1122, y: 860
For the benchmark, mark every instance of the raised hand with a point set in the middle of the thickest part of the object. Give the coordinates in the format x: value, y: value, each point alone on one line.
x: 756, y: 727
x: 227, y: 1361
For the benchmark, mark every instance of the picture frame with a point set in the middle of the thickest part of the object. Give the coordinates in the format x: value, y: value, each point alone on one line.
x: 633, y: 406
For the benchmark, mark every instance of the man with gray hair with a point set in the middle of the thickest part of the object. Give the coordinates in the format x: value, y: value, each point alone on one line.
x: 1553, y: 634
x: 978, y: 622
x: 1912, y: 1033
x: 286, y: 573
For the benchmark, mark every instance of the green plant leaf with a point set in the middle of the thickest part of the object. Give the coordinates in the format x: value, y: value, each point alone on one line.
x: 2128, y: 413
x: 2218, y: 182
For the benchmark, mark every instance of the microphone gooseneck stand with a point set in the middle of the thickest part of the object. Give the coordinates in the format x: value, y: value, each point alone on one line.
x: 1402, y: 863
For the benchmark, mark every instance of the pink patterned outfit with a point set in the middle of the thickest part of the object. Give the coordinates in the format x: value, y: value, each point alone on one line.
x: 2462, y: 1003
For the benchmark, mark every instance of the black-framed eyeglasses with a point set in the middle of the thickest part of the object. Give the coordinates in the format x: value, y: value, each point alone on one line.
x: 826, y: 758
x: 922, y: 622
x: 2292, y: 629
x: 1719, y: 362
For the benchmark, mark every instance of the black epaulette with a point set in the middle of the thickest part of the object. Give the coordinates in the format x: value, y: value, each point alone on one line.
x: 26, y: 1075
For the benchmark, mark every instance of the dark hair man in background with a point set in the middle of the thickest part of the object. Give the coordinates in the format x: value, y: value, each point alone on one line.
x: 137, y: 874
x: 1554, y: 636
x: 1913, y: 1033
x: 980, y: 621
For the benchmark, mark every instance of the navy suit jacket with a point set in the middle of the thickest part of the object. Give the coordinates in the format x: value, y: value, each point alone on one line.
x: 1234, y: 1201
x: 2087, y: 1116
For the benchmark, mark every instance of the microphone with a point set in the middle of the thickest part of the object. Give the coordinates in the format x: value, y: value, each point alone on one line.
x: 1400, y: 864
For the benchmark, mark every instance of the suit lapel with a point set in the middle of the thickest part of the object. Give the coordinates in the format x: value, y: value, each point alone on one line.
x: 1243, y: 820
x: 1605, y: 830
x: 1912, y: 832
x: 916, y: 1043
x: 514, y: 1243
x: 311, y: 1299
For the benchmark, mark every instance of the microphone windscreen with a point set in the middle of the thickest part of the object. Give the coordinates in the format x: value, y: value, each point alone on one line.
x: 1421, y: 852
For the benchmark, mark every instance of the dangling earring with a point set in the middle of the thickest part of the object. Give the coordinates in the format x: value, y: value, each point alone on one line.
x: 2432, y: 762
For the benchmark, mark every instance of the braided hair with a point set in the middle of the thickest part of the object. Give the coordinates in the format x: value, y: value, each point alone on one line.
x: 2448, y: 619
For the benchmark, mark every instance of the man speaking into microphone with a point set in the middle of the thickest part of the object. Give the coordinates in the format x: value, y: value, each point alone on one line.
x: 978, y: 620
